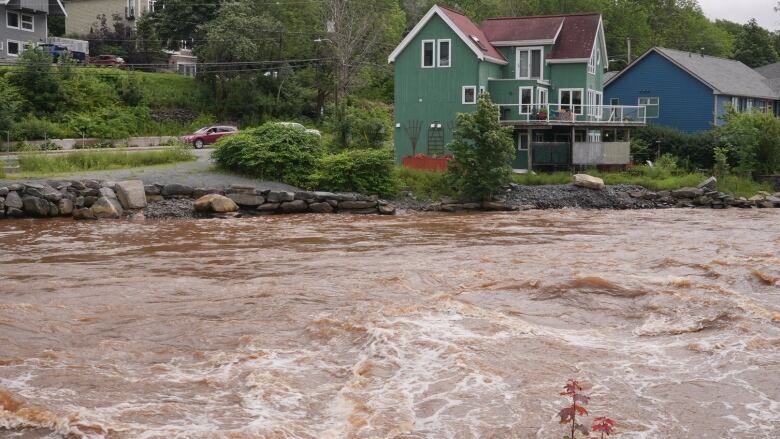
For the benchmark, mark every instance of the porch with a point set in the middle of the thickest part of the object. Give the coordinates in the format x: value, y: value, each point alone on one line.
x: 560, y: 148
x: 572, y: 115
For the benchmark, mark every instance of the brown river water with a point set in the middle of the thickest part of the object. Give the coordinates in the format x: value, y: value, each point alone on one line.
x: 413, y: 326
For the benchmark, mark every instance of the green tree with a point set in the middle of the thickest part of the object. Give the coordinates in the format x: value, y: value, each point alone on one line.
x: 482, y: 149
x: 755, y: 138
x: 175, y: 21
x: 37, y: 82
x: 10, y: 105
x: 755, y: 46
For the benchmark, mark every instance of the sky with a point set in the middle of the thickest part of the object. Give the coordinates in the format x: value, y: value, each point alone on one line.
x: 743, y: 10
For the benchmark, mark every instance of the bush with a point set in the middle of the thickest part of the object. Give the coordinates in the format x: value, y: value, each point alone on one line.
x: 429, y: 185
x: 111, y: 122
x: 368, y: 171
x: 755, y: 139
x: 482, y: 151
x: 271, y: 151
x: 10, y: 105
x: 693, y: 150
x: 364, y: 123
x: 32, y: 128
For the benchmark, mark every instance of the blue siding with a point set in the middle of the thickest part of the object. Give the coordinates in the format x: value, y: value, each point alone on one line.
x: 685, y: 102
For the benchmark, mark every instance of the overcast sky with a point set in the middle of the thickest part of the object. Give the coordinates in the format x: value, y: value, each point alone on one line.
x: 743, y: 10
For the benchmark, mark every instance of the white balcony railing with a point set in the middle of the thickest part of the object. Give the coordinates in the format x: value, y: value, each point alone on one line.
x: 576, y: 114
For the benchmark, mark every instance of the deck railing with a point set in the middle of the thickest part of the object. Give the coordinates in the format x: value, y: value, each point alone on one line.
x: 576, y: 114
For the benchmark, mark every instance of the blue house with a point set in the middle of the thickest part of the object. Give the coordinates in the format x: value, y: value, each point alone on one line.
x: 689, y: 91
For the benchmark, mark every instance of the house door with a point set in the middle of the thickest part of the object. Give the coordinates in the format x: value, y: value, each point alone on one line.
x: 521, y: 155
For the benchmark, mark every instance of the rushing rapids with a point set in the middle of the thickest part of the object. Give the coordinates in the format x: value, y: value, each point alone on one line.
x: 414, y: 326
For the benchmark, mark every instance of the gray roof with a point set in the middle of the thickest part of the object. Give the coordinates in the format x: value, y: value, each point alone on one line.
x: 725, y: 76
x: 770, y: 71
x: 609, y: 75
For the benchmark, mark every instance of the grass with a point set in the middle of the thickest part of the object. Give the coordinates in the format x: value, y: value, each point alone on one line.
x: 99, y: 160
x: 432, y: 185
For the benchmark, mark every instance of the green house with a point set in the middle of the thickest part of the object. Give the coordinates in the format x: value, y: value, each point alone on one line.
x: 545, y: 74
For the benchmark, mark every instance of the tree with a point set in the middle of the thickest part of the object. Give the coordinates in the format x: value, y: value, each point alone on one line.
x: 755, y: 138
x: 482, y: 151
x: 175, y: 21
x: 10, y: 105
x: 755, y: 45
x: 37, y: 81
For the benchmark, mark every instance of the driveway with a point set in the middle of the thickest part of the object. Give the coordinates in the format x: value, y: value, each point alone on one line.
x: 200, y: 173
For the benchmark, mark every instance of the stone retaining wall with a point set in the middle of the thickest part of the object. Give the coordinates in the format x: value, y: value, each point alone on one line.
x: 94, y: 199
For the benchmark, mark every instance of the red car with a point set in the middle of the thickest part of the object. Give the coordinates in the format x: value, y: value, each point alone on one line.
x: 209, y: 135
x: 107, y: 61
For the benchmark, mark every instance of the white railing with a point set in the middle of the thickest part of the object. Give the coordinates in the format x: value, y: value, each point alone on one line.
x: 582, y: 114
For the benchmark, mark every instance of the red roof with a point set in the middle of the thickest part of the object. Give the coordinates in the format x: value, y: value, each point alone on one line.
x: 577, y: 37
x: 471, y: 30
x: 522, y: 28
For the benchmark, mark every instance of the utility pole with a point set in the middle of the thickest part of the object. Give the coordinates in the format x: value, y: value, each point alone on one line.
x: 628, y: 56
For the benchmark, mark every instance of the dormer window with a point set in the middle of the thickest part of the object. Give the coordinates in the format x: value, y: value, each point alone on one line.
x: 529, y: 63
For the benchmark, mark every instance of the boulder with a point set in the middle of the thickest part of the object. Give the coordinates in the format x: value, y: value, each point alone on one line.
x: 588, y: 181
x: 107, y: 192
x: 687, y: 192
x: 75, y: 184
x: 91, y: 184
x: 53, y: 209
x: 487, y: 205
x: 267, y: 207
x: 106, y: 208
x: 152, y: 189
x: 15, y: 187
x: 108, y: 184
x: 174, y: 190
x: 89, y: 201
x: 215, y: 203
x: 89, y: 192
x: 324, y: 196
x: 387, y: 209
x: 3, y: 191
x: 34, y: 206
x: 305, y: 195
x: 84, y: 213
x: 321, y: 207
x: 2, y: 204
x: 198, y: 192
x: 65, y: 206
x: 357, y: 204
x: 153, y: 198
x: 131, y: 194
x: 13, y: 200
x: 709, y: 184
x: 246, y: 199
x: 294, y: 206
x: 42, y: 191
x: 240, y: 189
x: 280, y: 196
x: 13, y: 212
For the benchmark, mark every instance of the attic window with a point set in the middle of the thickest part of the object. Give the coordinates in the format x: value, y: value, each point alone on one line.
x: 479, y: 43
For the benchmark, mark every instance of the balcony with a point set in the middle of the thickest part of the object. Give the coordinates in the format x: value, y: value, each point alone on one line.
x: 573, y: 115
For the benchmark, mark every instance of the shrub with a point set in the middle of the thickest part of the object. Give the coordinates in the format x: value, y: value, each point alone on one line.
x: 755, y: 138
x: 693, y: 150
x: 430, y: 185
x: 111, y: 122
x: 271, y: 151
x: 368, y: 171
x: 482, y: 149
x: 32, y: 128
x: 363, y: 123
x: 10, y: 105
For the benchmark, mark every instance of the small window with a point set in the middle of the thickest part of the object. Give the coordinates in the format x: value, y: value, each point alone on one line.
x: 522, y: 141
x: 28, y: 23
x: 614, y: 101
x: 571, y: 100
x: 543, y: 97
x: 469, y: 94
x: 12, y: 20
x: 652, y: 107
x: 530, y: 63
x: 428, y: 49
x: 444, y: 53
x: 14, y: 48
x: 526, y: 99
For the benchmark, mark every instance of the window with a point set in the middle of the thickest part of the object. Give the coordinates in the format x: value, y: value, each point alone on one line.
x: 614, y: 101
x: 444, y: 53
x: 592, y: 63
x: 594, y: 136
x: 12, y: 20
x: 28, y: 23
x: 14, y: 48
x: 749, y: 104
x: 570, y: 99
x: 735, y: 103
x: 522, y: 142
x: 594, y: 103
x: 526, y: 99
x: 542, y: 99
x: 469, y: 94
x: 652, y: 107
x: 530, y: 63
x: 428, y: 56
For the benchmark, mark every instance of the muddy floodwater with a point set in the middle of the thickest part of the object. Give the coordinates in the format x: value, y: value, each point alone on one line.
x: 413, y: 326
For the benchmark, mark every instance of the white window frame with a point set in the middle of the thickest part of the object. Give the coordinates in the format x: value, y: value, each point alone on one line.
x: 438, y: 53
x: 592, y: 62
x: 530, y: 50
x: 463, y: 94
x: 520, y: 136
x: 595, y: 102
x: 543, y: 102
x: 19, y: 46
x: 735, y: 102
x: 530, y: 105
x: 649, y: 104
x: 8, y: 22
x: 32, y: 22
x: 571, y: 103
x: 749, y: 105
x: 422, y: 54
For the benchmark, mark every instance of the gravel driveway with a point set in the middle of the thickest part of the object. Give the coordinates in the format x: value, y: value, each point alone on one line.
x: 200, y: 173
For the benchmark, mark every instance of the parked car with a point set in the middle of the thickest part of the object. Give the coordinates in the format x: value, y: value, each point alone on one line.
x: 209, y: 135
x: 107, y: 61
x: 54, y: 50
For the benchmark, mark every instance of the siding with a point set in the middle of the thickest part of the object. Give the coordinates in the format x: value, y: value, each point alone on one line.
x: 23, y: 36
x: 427, y: 95
x: 685, y: 103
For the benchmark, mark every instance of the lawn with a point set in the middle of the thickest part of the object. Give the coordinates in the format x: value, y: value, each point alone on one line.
x: 36, y: 164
